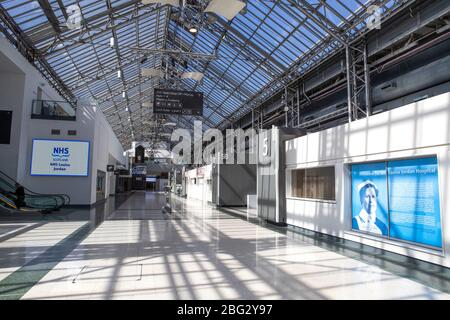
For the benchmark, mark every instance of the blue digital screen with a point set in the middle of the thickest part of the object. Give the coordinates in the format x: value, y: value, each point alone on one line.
x: 414, y: 201
x: 68, y: 158
x: 369, y: 198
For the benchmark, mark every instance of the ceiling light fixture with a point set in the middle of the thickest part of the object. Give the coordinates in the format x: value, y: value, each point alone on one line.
x: 197, y: 76
x: 151, y: 72
x: 183, y: 54
x: 193, y: 30
x: 228, y: 9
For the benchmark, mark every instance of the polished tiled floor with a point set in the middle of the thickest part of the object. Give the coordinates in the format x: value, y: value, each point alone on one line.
x: 130, y: 249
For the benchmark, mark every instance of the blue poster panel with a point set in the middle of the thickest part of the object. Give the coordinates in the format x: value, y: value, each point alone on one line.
x: 414, y: 201
x: 369, y: 198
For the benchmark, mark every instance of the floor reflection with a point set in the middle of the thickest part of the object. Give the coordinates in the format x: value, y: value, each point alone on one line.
x: 130, y: 249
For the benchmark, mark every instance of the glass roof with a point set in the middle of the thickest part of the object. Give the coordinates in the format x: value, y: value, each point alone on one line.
x: 255, y: 53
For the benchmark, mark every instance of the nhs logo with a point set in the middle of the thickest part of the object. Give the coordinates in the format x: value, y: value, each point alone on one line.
x: 60, y: 152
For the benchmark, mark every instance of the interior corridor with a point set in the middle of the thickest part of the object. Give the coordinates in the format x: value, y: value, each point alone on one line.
x: 129, y: 248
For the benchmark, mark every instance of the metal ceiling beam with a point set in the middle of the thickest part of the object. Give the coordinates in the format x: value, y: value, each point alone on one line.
x: 63, y: 9
x: 248, y: 42
x: 274, y: 86
x: 214, y: 74
x: 318, y: 18
x: 104, y: 27
x: 30, y: 52
x: 391, y: 14
x: 88, y: 80
x: 216, y: 109
x: 193, y: 55
x: 118, y: 55
x: 48, y: 11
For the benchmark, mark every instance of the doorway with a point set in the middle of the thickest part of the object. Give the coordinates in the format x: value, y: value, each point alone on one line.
x: 150, y: 183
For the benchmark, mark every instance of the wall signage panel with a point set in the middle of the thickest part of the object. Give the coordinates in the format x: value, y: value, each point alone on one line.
x: 167, y: 101
x: 414, y: 201
x: 398, y: 199
x: 369, y: 198
x: 60, y: 158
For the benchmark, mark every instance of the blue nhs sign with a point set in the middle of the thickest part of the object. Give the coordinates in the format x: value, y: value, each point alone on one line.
x: 68, y: 158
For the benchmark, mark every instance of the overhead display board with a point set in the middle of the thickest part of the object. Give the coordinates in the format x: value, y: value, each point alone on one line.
x: 398, y: 199
x: 60, y: 158
x: 139, y: 153
x: 168, y: 101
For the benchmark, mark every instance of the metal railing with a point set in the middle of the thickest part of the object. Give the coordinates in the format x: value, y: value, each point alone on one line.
x: 31, y: 198
x: 53, y: 110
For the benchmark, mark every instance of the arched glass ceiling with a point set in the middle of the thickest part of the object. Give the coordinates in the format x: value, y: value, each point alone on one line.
x: 259, y: 50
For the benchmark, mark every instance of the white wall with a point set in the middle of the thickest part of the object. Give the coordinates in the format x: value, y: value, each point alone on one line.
x: 12, y: 81
x: 201, y: 190
x: 91, y: 125
x: 418, y: 129
x: 78, y: 188
x: 107, y: 150
x: 19, y: 94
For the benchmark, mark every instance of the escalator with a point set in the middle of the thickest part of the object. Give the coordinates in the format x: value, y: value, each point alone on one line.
x: 32, y: 201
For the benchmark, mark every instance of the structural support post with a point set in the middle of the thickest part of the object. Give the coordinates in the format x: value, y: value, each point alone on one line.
x: 358, y: 82
x: 262, y: 120
x: 253, y: 118
x: 367, y: 84
x: 298, y: 106
x: 286, y: 105
x: 349, y: 84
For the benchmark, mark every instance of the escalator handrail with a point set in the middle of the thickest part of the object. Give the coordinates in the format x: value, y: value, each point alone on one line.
x: 27, y: 204
x: 65, y: 197
x: 7, y: 201
x: 9, y: 204
x: 58, y: 204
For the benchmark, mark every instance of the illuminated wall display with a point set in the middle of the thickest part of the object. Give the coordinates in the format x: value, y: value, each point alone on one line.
x: 414, y: 201
x: 398, y: 199
x: 60, y: 158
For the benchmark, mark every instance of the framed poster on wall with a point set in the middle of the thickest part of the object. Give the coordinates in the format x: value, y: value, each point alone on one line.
x: 370, y: 198
x: 398, y: 199
x: 414, y: 207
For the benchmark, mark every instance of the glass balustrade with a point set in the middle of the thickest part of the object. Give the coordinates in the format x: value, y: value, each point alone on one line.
x: 54, y: 110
